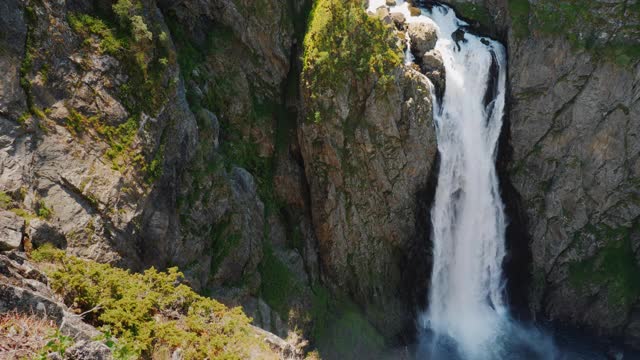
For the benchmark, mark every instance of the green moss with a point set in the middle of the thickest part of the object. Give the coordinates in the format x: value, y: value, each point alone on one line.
x: 25, y: 214
x: 519, y: 11
x: 143, y: 55
x: 340, y: 329
x: 278, y: 283
x: 613, y: 266
x: 222, y: 242
x: 155, y: 168
x: 58, y: 344
x: 344, y: 43
x: 43, y: 210
x: 151, y: 312
x: 29, y: 53
x: 581, y: 23
x: 475, y: 12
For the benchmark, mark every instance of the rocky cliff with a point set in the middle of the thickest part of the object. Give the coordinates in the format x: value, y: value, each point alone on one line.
x: 289, y: 168
x: 122, y: 146
x: 574, y: 72
x: 369, y: 147
x: 169, y: 133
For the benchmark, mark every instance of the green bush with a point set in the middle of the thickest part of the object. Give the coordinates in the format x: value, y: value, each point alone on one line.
x: 149, y: 312
x: 5, y: 201
x: 44, y: 211
x: 88, y: 25
x: 344, y: 43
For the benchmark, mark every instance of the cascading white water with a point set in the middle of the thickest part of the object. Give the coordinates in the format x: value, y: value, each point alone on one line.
x: 466, y: 292
x: 466, y: 299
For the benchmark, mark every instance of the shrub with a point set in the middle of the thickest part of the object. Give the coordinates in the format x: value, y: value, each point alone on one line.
x: 150, y: 310
x: 88, y: 25
x: 44, y: 211
x: 5, y: 201
x: 344, y: 42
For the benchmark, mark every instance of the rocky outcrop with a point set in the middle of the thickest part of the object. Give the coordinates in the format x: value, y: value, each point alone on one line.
x: 11, y: 226
x: 76, y: 143
x: 582, y: 213
x: 369, y: 146
x: 423, y: 38
x: 24, y: 289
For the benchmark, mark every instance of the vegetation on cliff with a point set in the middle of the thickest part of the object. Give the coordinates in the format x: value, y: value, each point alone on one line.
x: 150, y: 313
x: 583, y: 23
x: 613, y: 266
x: 343, y: 43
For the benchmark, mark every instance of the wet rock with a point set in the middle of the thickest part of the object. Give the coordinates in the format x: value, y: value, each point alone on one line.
x: 423, y: 38
x: 390, y: 2
x: 414, y: 11
x: 210, y: 121
x: 11, y: 227
x: 433, y: 66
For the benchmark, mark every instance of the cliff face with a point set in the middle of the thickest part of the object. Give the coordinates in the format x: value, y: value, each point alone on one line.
x: 165, y: 133
x: 574, y: 79
x: 124, y: 148
x: 92, y: 139
x: 369, y: 147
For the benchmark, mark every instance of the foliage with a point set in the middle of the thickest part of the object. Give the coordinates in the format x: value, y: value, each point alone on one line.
x: 131, y: 40
x: 519, y: 11
x: 57, y: 344
x: 581, y: 23
x: 150, y: 310
x: 5, y: 201
x: 43, y: 210
x: 344, y: 43
x: 278, y: 283
x: 340, y: 329
x: 119, y: 350
x: 120, y: 139
x: 475, y: 12
x: 27, y: 63
x: 87, y: 25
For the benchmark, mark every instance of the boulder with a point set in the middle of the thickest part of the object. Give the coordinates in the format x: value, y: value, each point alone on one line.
x: 383, y: 13
x: 11, y: 226
x: 433, y: 66
x: 414, y: 11
x: 390, y: 2
x: 423, y: 38
x: 398, y: 19
x: 41, y: 232
x: 88, y: 350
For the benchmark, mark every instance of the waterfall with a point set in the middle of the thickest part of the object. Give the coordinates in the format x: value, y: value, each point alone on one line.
x: 467, y: 316
x: 466, y: 292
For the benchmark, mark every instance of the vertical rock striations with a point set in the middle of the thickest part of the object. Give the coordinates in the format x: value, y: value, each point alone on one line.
x: 368, y: 146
